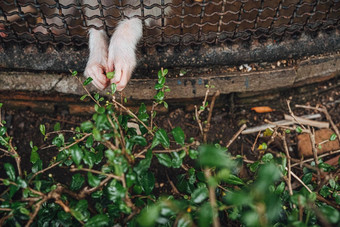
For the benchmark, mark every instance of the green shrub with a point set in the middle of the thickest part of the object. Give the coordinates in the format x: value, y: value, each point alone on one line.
x: 112, y: 169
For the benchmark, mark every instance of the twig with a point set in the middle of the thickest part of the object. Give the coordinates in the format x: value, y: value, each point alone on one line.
x: 315, y: 153
x: 301, y: 120
x: 328, y: 117
x: 236, y: 135
x: 254, y: 144
x: 288, y: 164
x: 43, y: 170
x: 75, y: 142
x: 36, y: 210
x: 73, y: 169
x: 133, y: 115
x: 301, y: 182
x: 280, y: 123
x: 207, y: 126
x: 212, y: 196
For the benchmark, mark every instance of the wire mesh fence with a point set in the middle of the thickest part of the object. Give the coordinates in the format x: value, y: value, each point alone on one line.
x: 188, y: 21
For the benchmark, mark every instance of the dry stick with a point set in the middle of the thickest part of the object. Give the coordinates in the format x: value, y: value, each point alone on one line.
x: 280, y: 123
x: 328, y: 117
x: 293, y: 115
x: 195, y: 143
x: 133, y: 115
x: 198, y: 112
x: 315, y: 153
x: 288, y: 164
x: 318, y: 124
x: 311, y: 159
x: 207, y: 126
x: 298, y: 179
x: 244, y: 126
x: 212, y: 196
x: 254, y: 144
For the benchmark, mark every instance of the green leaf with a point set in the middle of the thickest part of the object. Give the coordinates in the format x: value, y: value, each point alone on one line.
x: 58, y: 140
x: 267, y: 157
x: 234, y: 180
x: 140, y: 140
x: 205, y: 215
x: 42, y: 129
x: 83, y: 97
x: 193, y: 154
x: 34, y: 156
x: 99, y: 109
x: 176, y: 160
x: 159, y: 86
x: 199, y: 195
x: 93, y: 180
x: 87, y: 81
x: 147, y: 181
x: 330, y: 213
x: 86, y: 126
x: 96, y: 134
x: 10, y: 171
x: 3, y: 131
x: 162, y: 137
x: 77, y: 154
x: 298, y: 129
x: 165, y: 72
x: 307, y: 178
x: 98, y: 221
x: 113, y: 88
x: 77, y: 182
x: 149, y: 216
x: 214, y: 157
x: 115, y: 191
x: 24, y: 211
x: 74, y: 73
x: 333, y: 137
x: 56, y: 126
x: 178, y: 135
x: 159, y: 96
x: 21, y: 183
x: 1, y: 104
x: 110, y: 75
x: 164, y: 159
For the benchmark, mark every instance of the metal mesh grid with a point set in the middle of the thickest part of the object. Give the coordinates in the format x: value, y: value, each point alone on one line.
x: 189, y: 22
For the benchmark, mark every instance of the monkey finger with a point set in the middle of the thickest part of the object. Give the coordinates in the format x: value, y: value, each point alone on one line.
x: 124, y: 80
x: 118, y: 75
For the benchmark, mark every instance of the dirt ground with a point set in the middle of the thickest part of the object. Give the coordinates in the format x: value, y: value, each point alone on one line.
x: 229, y: 114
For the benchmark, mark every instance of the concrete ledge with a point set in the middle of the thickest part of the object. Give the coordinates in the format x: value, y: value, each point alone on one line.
x: 307, y: 71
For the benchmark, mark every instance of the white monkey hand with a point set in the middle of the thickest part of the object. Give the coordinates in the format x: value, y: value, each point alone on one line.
x: 96, y: 67
x: 122, y: 49
x: 97, y: 72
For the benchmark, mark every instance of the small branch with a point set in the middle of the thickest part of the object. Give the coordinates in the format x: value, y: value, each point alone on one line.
x: 36, y: 210
x: 73, y: 169
x: 301, y: 182
x: 288, y: 164
x: 328, y: 117
x: 212, y: 197
x: 43, y: 170
x: 75, y: 142
x: 207, y: 126
x: 243, y: 127
x: 277, y: 124
x: 320, y: 156
x: 301, y: 120
x: 133, y: 115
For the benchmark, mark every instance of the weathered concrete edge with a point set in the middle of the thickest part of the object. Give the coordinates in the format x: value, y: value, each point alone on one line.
x: 307, y: 71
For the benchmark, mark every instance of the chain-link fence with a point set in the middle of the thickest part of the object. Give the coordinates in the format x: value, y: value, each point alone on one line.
x: 190, y: 23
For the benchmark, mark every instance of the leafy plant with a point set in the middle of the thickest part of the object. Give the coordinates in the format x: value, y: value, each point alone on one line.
x: 113, y: 169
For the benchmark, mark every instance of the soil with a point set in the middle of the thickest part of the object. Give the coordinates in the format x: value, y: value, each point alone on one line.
x: 229, y: 114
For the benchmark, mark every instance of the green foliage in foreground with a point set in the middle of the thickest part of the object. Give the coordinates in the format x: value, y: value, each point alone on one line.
x: 114, y: 170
